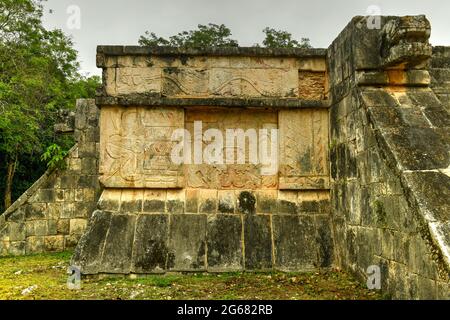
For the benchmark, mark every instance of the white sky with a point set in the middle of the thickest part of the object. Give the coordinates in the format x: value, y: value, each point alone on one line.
x: 108, y: 22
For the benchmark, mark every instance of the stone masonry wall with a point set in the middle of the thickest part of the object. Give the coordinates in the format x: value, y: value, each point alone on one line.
x: 157, y: 231
x: 440, y: 74
x: 389, y: 158
x: 52, y: 214
x: 157, y: 216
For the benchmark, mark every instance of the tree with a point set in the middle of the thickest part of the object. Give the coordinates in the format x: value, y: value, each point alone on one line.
x: 38, y: 76
x: 283, y: 39
x: 211, y: 35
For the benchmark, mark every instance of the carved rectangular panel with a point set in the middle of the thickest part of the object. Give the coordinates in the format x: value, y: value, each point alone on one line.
x: 253, y: 82
x: 128, y: 80
x: 203, y: 77
x: 303, y: 149
x: 136, y: 146
x: 233, y: 175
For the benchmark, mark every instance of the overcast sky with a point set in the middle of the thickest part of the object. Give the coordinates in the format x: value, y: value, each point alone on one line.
x: 122, y: 22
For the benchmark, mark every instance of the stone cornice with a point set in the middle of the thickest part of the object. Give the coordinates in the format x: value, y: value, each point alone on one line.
x: 148, y: 100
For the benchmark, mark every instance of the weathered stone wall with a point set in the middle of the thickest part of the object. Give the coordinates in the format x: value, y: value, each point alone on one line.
x: 389, y: 158
x: 214, y: 72
x: 156, y: 216
x: 152, y: 231
x: 440, y: 74
x: 52, y: 215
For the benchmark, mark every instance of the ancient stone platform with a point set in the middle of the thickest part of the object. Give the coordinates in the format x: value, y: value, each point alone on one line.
x: 157, y: 216
x: 362, y: 180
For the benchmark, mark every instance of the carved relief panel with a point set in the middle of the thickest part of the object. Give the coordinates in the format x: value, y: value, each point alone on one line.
x: 254, y: 149
x: 254, y: 128
x: 304, y: 149
x: 136, y: 146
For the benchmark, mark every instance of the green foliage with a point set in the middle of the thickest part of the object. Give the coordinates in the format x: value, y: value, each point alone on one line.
x: 54, y: 156
x: 150, y: 39
x: 283, y: 39
x: 38, y: 76
x: 211, y: 35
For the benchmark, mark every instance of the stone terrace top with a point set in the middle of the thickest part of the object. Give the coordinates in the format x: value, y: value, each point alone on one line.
x: 211, y: 51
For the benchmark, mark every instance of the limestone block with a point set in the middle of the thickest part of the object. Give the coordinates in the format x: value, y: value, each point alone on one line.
x: 77, y: 226
x: 54, y: 243
x: 89, y: 195
x: 314, y: 202
x: 378, y: 98
x: 418, y: 148
x: 4, y: 248
x: 175, y: 201
x: 131, y: 200
x: 40, y: 227
x: 427, y: 289
x: 59, y: 195
x: 79, y: 195
x: 52, y: 227
x: 71, y: 241
x: 258, y: 242
x: 45, y: 195
x: 295, y: 243
x: 69, y: 195
x: 154, y: 201
x: 35, y: 211
x: 119, y: 244
x: 224, y: 242
x: 75, y: 164
x: 151, y: 252
x: 188, y: 242
x: 88, y: 254
x: 34, y: 244
x: 63, y: 227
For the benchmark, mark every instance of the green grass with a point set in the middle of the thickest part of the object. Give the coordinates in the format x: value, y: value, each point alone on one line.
x: 47, y: 274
